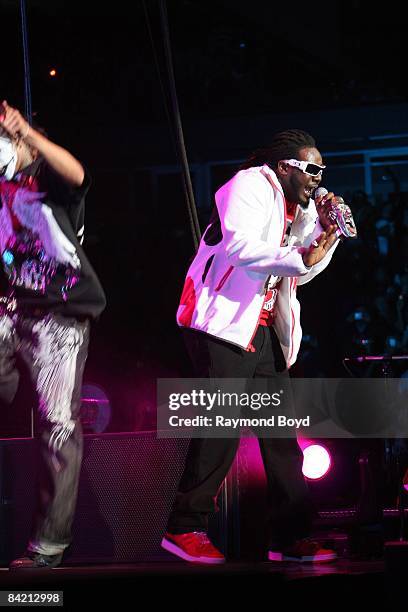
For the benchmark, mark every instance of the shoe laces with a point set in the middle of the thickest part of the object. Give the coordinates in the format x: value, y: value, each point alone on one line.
x: 202, y: 538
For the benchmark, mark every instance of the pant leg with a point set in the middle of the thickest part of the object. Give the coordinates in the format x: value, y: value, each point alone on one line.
x: 55, y: 350
x: 9, y: 376
x: 290, y: 508
x: 207, y: 463
x: 208, y: 459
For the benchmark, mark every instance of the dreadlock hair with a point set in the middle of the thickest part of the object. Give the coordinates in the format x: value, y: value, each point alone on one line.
x: 284, y: 145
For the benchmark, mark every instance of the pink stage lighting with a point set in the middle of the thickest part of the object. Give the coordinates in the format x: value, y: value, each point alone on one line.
x: 316, y: 461
x: 405, y: 480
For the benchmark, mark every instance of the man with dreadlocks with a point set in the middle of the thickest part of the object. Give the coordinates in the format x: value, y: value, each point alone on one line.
x: 49, y: 293
x: 240, y: 319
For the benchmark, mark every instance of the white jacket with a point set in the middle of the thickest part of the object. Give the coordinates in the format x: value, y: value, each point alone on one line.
x: 224, y: 292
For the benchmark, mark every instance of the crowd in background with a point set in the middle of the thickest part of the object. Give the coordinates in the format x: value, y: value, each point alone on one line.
x: 369, y: 282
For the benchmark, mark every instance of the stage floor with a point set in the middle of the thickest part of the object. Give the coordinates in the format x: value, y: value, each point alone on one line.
x: 291, y: 571
x: 342, y: 582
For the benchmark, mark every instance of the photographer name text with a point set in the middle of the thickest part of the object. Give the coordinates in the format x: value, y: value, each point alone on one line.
x: 235, y: 423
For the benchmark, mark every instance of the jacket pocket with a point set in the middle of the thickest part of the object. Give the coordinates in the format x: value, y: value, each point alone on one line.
x: 224, y: 279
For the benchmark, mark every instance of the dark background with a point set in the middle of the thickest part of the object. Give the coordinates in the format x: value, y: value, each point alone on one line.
x: 243, y: 71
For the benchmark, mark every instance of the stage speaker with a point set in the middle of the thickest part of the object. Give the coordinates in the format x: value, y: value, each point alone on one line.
x: 127, y: 486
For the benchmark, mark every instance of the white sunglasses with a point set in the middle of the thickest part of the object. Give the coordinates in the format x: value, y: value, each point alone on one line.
x: 305, y: 167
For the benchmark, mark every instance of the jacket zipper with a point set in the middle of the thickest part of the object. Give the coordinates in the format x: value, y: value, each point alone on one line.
x: 292, y: 323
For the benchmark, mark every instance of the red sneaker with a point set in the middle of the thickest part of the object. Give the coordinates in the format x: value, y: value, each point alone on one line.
x: 193, y: 546
x: 304, y: 551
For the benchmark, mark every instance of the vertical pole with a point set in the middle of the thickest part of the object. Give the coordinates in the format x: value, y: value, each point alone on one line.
x: 187, y: 184
x: 27, y: 78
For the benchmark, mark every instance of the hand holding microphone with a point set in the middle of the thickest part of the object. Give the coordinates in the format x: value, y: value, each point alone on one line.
x: 333, y: 210
x: 13, y: 122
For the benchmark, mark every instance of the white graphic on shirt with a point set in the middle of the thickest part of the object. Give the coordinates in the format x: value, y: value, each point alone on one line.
x: 39, y: 218
x: 32, y: 254
x: 269, y: 304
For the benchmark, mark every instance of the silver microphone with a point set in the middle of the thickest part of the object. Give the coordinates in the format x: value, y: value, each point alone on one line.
x: 320, y: 191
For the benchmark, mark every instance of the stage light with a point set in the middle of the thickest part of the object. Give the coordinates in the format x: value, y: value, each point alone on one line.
x: 316, y: 461
x: 95, y: 411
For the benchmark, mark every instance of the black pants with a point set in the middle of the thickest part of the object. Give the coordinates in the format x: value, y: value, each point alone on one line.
x: 54, y: 349
x: 209, y: 459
